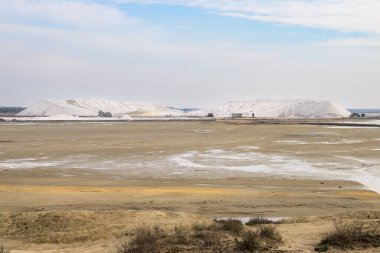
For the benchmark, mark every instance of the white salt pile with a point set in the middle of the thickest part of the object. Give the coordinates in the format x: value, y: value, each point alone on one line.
x: 261, y: 108
x: 91, y: 107
x: 282, y: 109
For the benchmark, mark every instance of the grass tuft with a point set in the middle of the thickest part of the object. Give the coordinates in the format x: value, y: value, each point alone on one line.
x: 251, y: 241
x: 182, y: 235
x: 351, y: 235
x: 146, y: 240
x: 224, y: 236
x: 234, y: 226
x: 264, y: 237
x: 201, y: 227
x: 270, y: 232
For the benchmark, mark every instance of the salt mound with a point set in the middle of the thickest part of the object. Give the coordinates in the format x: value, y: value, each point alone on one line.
x: 261, y: 108
x: 91, y: 108
x: 282, y: 109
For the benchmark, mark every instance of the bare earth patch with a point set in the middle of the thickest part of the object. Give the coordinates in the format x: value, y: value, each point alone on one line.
x: 57, y: 227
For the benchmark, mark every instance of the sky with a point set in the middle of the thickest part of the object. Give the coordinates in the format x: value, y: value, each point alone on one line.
x: 190, y: 53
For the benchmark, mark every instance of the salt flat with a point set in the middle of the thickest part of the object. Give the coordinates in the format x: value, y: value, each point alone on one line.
x: 194, y: 150
x: 213, y: 169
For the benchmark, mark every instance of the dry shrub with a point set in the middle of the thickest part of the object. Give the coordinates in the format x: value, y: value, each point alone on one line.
x: 182, y: 235
x: 269, y: 232
x: 234, y: 226
x: 258, y: 221
x: 145, y: 240
x: 182, y: 239
x: 251, y: 241
x: 263, y: 237
x: 220, y: 237
x: 208, y: 237
x: 350, y: 235
x: 201, y: 227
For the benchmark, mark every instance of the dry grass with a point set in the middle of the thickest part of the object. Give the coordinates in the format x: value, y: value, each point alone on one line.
x: 208, y: 237
x: 201, y: 227
x: 146, y: 240
x: 251, y: 241
x: 269, y: 232
x: 50, y: 227
x: 182, y: 239
x: 218, y: 237
x: 181, y: 235
x: 234, y: 226
x: 3, y: 250
x: 264, y: 237
x: 78, y: 226
x: 352, y: 235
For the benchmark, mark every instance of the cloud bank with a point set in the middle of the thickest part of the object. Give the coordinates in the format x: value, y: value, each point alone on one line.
x: 341, y: 15
x: 79, y: 14
x: 93, y: 48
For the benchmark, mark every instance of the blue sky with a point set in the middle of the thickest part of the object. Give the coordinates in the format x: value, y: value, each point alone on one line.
x: 192, y: 23
x: 190, y: 53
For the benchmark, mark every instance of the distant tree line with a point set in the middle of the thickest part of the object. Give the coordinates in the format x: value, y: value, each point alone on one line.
x: 11, y: 109
x: 104, y: 114
x: 357, y: 115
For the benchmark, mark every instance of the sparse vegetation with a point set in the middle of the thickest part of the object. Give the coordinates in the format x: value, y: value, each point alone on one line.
x: 262, y: 238
x: 146, y: 240
x: 219, y: 237
x: 208, y: 237
x: 251, y: 241
x: 351, y: 235
x: 183, y: 239
x: 200, y: 227
x: 56, y: 227
x: 232, y: 225
x: 3, y: 250
x: 182, y: 235
x: 258, y: 221
x: 269, y: 232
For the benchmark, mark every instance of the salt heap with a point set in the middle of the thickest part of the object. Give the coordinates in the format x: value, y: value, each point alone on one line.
x: 281, y: 109
x: 261, y: 108
x: 91, y: 107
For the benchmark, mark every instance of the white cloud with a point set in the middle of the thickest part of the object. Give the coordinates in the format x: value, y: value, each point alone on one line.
x: 61, y: 12
x: 68, y: 64
x: 355, y: 42
x: 39, y: 59
x: 341, y: 15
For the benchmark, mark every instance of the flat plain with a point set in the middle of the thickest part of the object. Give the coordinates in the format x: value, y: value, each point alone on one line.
x: 118, y: 175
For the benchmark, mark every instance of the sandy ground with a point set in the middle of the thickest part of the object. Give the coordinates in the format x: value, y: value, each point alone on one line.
x: 109, y: 167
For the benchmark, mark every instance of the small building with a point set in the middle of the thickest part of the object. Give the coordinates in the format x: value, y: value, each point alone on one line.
x: 236, y: 115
